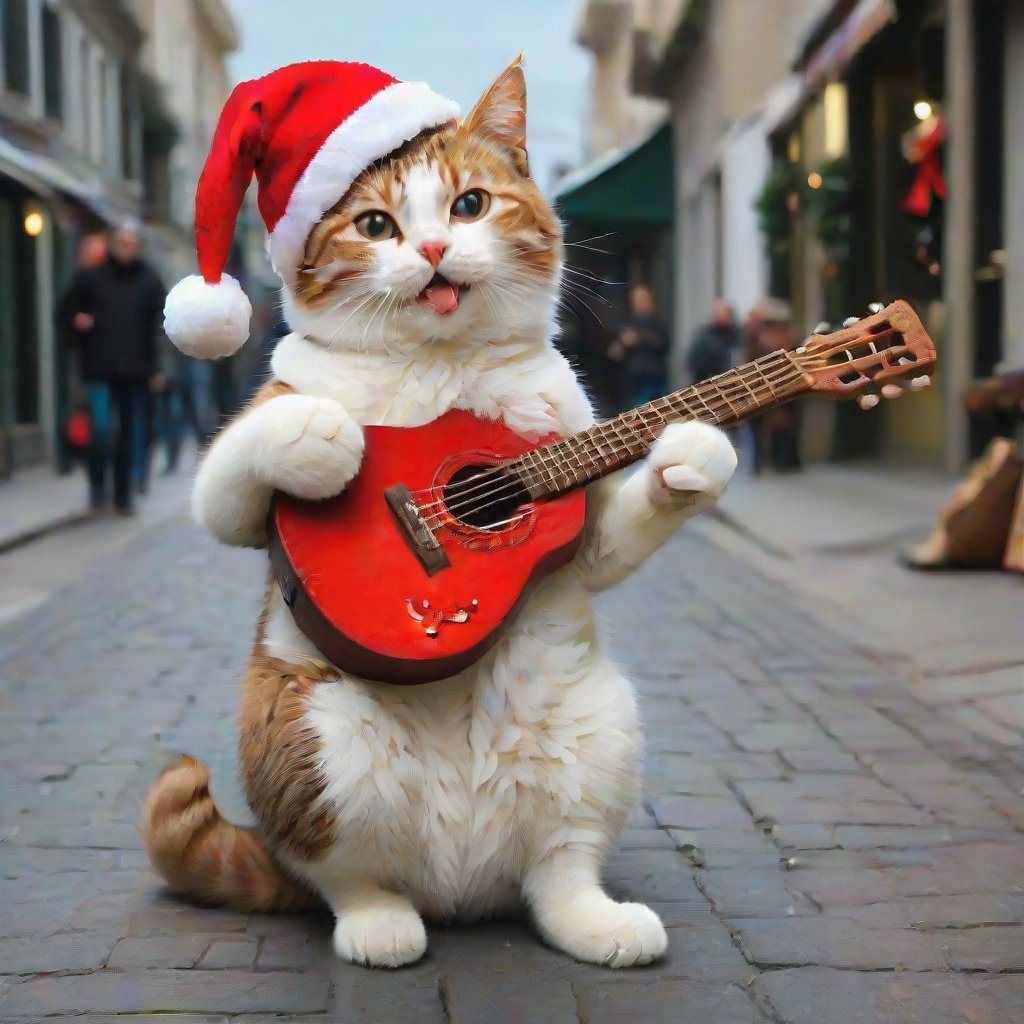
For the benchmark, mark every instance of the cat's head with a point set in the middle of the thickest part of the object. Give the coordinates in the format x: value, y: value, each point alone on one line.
x: 447, y: 238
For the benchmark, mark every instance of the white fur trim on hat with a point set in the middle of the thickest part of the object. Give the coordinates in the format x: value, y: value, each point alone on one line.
x: 391, y: 117
x: 207, y: 321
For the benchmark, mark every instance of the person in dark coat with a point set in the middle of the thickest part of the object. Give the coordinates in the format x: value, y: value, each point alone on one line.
x: 712, y: 351
x: 114, y: 313
x: 641, y: 347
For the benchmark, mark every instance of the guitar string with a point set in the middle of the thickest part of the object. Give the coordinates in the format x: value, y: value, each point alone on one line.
x: 506, y: 489
x: 547, y: 460
x: 551, y: 461
x: 738, y: 387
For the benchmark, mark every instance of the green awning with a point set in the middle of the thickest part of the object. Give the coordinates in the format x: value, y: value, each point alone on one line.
x: 626, y: 188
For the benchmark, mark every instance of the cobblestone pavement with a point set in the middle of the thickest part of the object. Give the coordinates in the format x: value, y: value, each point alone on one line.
x: 822, y: 846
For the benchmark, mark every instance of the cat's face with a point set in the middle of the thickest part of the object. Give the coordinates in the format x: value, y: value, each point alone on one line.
x: 448, y: 238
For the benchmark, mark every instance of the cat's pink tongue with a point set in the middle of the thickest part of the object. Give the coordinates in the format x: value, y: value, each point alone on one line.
x: 443, y: 298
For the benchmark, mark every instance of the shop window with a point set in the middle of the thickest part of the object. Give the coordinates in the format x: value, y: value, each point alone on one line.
x: 14, y: 16
x: 53, y: 78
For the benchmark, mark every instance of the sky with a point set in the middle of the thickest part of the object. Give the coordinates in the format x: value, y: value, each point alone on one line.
x: 457, y: 46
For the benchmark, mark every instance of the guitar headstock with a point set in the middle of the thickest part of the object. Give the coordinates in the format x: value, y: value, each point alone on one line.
x: 868, y: 356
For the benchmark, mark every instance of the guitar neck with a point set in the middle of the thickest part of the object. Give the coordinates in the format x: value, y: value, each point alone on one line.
x: 729, y: 398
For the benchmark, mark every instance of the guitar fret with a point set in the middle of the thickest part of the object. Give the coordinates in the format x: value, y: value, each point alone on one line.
x: 582, y: 474
x: 766, y: 379
x: 637, y: 436
x: 753, y: 394
x: 703, y: 401
x: 725, y: 399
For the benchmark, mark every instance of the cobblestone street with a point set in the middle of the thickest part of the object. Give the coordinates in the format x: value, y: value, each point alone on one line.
x: 823, y: 845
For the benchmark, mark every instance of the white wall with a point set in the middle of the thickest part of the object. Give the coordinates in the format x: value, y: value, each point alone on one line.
x: 745, y: 163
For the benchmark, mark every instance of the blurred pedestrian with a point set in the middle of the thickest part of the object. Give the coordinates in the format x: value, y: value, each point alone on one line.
x: 92, y: 251
x: 115, y: 310
x: 641, y: 346
x: 715, y: 345
x: 776, y: 433
x: 184, y: 406
x: 261, y: 372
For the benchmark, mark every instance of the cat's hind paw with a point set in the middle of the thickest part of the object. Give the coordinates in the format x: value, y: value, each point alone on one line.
x: 691, y: 464
x: 384, y: 936
x: 611, y: 934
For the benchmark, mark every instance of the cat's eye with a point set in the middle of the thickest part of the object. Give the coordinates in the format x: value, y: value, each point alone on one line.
x: 471, y: 205
x: 376, y: 226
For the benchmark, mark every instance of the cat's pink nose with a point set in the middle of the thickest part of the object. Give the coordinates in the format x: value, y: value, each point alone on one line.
x: 433, y: 252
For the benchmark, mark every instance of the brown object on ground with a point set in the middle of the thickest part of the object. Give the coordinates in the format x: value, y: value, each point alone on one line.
x: 974, y: 527
x: 1013, y: 559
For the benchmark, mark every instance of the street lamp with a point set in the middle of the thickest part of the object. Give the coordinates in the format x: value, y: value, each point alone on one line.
x: 33, y: 223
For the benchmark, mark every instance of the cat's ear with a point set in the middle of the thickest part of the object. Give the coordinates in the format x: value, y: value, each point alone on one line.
x: 500, y: 114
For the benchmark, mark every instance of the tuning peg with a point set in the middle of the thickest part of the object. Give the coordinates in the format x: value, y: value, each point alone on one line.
x: 867, y: 401
x: 920, y: 383
x: 824, y: 327
x: 851, y: 320
x: 891, y: 391
x: 876, y: 307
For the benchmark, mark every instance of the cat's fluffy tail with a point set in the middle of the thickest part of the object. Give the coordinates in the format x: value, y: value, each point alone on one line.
x: 205, y: 857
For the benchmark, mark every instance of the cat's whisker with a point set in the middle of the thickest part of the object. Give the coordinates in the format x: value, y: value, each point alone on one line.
x: 337, y: 332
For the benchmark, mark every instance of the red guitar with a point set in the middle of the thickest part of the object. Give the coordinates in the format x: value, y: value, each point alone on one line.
x: 410, y: 573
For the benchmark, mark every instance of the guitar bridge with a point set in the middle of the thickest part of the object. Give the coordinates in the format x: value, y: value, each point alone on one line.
x: 415, y: 530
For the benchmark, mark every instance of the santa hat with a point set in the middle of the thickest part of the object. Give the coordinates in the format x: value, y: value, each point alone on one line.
x: 307, y: 131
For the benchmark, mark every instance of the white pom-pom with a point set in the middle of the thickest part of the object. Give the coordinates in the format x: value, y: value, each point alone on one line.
x: 207, y: 321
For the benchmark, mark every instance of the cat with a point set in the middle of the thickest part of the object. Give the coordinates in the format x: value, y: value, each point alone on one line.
x: 433, y: 284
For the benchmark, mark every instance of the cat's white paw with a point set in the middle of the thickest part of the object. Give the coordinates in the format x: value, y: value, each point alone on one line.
x: 612, y: 934
x: 307, y: 447
x: 691, y: 463
x: 388, y: 936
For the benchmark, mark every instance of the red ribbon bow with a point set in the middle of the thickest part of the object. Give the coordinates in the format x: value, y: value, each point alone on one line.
x: 928, y: 182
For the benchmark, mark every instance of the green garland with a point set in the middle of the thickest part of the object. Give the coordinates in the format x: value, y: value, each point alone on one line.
x: 829, y: 208
x: 786, y: 191
x: 773, y: 215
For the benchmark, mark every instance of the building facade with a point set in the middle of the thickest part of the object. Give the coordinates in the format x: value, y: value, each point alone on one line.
x: 70, y: 161
x: 837, y: 152
x: 106, y: 111
x: 616, y: 207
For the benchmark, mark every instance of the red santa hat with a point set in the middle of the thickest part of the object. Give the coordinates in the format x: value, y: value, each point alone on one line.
x: 307, y: 131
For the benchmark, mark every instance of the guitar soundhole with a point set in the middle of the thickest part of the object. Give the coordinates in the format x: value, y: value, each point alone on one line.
x: 485, y: 497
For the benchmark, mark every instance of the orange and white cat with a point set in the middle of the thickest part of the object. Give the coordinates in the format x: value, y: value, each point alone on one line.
x: 432, y: 285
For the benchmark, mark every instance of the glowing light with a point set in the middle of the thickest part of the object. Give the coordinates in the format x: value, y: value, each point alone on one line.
x: 922, y: 110
x: 33, y: 224
x: 814, y: 180
x: 836, y: 117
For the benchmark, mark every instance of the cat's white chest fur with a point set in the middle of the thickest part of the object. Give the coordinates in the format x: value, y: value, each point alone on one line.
x: 532, y: 389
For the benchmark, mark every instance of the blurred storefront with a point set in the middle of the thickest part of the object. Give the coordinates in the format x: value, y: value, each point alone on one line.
x: 106, y: 110
x: 618, y: 215
x: 890, y: 180
x: 70, y: 162
x: 617, y: 208
x: 839, y: 152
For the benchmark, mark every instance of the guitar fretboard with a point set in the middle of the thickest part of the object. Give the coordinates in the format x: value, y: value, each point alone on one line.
x: 606, y: 447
